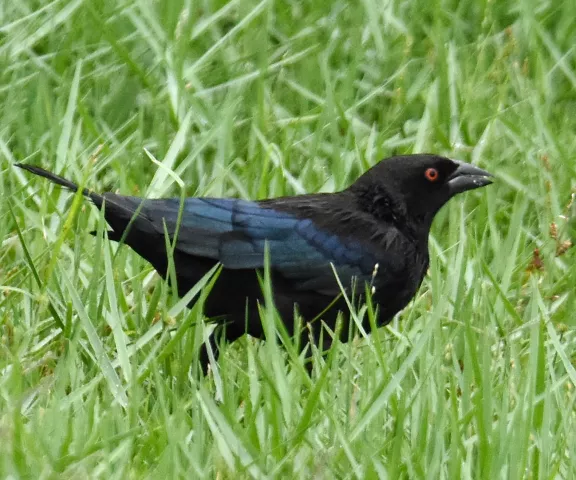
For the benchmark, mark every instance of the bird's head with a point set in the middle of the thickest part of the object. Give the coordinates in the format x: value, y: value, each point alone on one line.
x: 416, y: 186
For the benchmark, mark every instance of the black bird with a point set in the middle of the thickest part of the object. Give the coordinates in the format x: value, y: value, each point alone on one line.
x: 374, y: 231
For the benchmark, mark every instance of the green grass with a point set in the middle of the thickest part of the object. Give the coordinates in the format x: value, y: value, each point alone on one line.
x: 475, y: 379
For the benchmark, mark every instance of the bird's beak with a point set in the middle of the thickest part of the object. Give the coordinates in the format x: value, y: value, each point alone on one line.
x: 467, y: 177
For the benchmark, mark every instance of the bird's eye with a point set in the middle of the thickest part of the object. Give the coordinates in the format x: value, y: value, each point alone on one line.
x: 431, y: 174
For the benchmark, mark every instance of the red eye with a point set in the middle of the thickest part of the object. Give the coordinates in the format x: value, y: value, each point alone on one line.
x: 431, y: 174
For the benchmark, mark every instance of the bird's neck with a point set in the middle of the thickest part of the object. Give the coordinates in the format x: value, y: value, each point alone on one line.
x: 377, y: 201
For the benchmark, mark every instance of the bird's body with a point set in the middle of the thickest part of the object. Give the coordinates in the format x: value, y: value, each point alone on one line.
x: 374, y: 232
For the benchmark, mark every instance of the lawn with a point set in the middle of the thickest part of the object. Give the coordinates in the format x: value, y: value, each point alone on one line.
x: 474, y: 379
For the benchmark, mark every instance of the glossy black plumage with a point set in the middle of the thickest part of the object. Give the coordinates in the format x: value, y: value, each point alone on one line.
x: 375, y: 231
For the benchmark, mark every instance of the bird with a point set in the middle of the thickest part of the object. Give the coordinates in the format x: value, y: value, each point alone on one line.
x: 321, y: 248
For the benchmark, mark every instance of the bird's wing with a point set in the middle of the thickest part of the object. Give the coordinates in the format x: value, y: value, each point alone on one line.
x: 235, y: 232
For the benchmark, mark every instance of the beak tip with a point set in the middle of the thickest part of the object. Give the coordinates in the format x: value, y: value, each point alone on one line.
x: 469, y: 177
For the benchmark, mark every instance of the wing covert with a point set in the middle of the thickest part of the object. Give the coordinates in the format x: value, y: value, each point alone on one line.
x: 235, y: 232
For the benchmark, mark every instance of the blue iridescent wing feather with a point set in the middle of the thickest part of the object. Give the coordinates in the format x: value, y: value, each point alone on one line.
x: 236, y: 232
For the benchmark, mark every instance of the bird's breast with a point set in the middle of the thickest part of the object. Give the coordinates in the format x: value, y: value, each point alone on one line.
x: 393, y: 289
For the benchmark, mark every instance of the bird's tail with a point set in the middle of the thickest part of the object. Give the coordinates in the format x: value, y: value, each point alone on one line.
x: 119, y: 209
x: 57, y: 179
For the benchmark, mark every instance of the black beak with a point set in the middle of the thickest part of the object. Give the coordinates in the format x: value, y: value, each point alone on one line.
x: 467, y: 177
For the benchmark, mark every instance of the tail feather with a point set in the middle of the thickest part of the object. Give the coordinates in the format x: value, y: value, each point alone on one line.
x: 119, y: 209
x: 57, y: 179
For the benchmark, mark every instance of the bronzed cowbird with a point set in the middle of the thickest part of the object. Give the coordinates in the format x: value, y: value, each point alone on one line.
x: 374, y: 232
